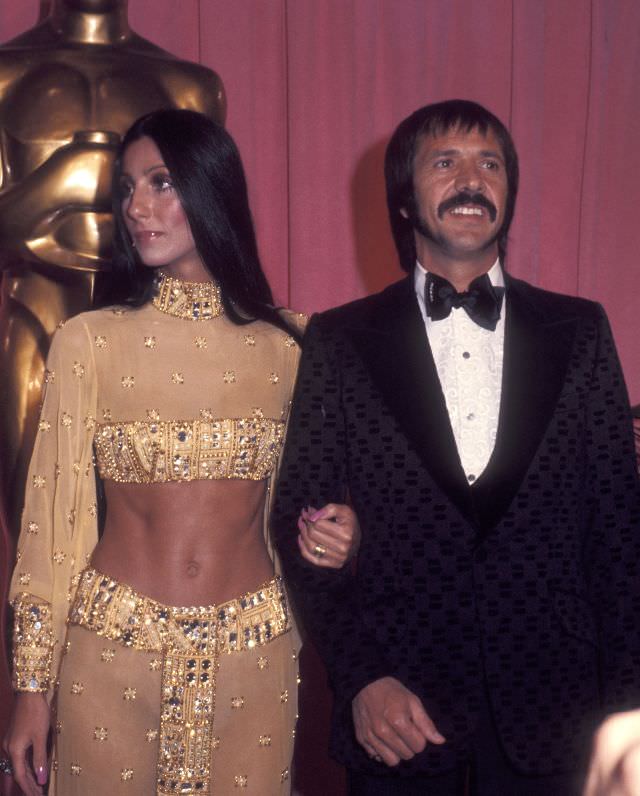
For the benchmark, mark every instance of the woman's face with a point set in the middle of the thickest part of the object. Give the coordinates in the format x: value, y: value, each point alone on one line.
x: 153, y: 214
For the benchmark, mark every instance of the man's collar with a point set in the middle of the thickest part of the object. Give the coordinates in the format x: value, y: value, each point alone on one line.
x: 496, y: 276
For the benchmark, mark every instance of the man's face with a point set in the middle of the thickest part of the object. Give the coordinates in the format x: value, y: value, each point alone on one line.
x: 460, y: 186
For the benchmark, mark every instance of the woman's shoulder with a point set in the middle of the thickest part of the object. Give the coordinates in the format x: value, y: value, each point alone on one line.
x: 296, y: 320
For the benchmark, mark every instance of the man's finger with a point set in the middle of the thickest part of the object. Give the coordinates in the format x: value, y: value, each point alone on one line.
x: 423, y: 722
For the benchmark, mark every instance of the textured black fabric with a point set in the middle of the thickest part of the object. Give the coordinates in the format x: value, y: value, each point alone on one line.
x: 530, y: 578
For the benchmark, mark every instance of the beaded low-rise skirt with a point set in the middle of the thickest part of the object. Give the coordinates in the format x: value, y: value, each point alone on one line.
x: 155, y: 699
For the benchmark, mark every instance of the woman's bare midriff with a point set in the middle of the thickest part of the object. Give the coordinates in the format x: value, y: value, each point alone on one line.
x: 196, y: 543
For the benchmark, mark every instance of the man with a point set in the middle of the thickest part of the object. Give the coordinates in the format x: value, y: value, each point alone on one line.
x: 481, y: 428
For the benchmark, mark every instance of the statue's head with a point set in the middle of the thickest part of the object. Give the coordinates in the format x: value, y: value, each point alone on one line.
x: 91, y: 6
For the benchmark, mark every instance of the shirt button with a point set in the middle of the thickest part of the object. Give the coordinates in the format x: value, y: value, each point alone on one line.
x: 466, y: 354
x: 471, y: 478
x: 471, y: 416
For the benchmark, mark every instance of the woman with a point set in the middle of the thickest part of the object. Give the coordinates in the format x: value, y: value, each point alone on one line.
x: 181, y: 392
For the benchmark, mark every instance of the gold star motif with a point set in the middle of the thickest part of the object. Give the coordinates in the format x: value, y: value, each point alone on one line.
x: 249, y: 339
x: 206, y: 414
x: 126, y: 774
x: 151, y: 735
x: 25, y: 578
x: 93, y: 510
x: 257, y: 411
x: 75, y: 769
x: 44, y: 425
x: 78, y: 370
x: 284, y: 696
x: 128, y: 381
x: 215, y: 742
x: 39, y: 481
x: 177, y: 378
x: 18, y: 555
x: 89, y: 422
x: 76, y: 688
x: 237, y: 702
x: 66, y: 419
x: 285, y: 775
x: 153, y: 415
x: 57, y: 470
x: 241, y: 780
x: 58, y: 727
x: 100, y: 341
x: 289, y: 341
x: 59, y: 556
x: 71, y: 516
x: 106, y: 415
x: 33, y: 527
x: 107, y: 655
x: 264, y: 740
x: 76, y: 468
x: 201, y: 342
x: 154, y: 664
x: 263, y: 663
x: 49, y: 376
x: 100, y: 734
x: 150, y: 341
x: 229, y: 376
x: 274, y: 378
x: 129, y: 694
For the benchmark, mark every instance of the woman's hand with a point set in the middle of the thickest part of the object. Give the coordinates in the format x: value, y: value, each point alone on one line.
x: 29, y: 729
x: 330, y: 536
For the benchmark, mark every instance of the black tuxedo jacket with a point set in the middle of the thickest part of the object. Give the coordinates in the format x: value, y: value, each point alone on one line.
x: 528, y: 581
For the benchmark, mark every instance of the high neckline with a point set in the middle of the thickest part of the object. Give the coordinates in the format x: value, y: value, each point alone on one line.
x: 194, y: 301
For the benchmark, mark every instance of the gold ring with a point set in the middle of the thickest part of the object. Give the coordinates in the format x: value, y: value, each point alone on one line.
x: 319, y: 550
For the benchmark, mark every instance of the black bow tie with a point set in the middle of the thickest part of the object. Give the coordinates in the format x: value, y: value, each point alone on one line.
x: 482, y: 301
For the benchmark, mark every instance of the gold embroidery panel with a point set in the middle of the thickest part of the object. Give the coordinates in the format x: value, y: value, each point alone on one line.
x: 146, y: 452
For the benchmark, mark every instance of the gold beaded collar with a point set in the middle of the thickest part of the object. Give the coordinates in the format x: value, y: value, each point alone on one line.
x: 195, y: 301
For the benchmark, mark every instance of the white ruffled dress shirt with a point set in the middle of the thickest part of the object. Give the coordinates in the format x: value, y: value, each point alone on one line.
x: 469, y: 361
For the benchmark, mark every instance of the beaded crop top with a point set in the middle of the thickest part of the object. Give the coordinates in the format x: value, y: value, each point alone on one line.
x: 170, y: 391
x: 213, y: 400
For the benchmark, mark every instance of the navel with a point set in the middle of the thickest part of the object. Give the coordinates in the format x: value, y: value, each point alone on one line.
x: 193, y: 569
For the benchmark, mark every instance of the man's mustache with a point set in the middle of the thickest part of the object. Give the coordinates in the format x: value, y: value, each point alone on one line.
x: 466, y: 198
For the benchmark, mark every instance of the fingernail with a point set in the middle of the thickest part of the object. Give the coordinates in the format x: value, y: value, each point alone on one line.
x: 317, y: 515
x: 439, y: 738
x: 41, y: 775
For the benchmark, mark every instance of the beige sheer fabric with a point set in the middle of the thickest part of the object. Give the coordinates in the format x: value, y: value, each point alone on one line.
x: 122, y: 366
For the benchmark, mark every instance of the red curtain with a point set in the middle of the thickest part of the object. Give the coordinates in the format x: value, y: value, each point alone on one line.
x: 315, y: 88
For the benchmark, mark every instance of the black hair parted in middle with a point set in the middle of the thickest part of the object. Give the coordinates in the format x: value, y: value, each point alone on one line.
x: 437, y: 119
x: 207, y: 173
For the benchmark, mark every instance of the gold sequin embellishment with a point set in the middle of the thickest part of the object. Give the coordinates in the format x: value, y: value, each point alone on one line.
x: 158, y: 452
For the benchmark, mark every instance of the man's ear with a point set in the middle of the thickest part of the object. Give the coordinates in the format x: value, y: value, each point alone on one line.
x: 404, y: 213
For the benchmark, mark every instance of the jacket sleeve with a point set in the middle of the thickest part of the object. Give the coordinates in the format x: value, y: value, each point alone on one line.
x: 314, y: 471
x: 613, y: 553
x: 59, y: 520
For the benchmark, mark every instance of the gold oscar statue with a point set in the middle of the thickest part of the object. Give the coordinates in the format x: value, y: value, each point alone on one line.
x: 69, y: 89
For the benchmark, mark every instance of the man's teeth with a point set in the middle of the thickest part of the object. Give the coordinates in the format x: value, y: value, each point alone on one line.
x: 467, y: 211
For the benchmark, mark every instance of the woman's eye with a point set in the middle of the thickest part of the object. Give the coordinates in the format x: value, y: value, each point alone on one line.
x: 162, y: 182
x: 125, y: 189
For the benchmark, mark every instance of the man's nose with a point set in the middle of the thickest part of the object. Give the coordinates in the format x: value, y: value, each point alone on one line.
x: 469, y: 178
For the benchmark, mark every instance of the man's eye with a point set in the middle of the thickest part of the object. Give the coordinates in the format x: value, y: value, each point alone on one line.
x: 443, y: 163
x: 491, y: 164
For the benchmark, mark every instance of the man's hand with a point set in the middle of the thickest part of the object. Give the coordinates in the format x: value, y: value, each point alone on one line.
x: 29, y: 729
x: 330, y: 536
x: 391, y: 723
x: 615, y: 761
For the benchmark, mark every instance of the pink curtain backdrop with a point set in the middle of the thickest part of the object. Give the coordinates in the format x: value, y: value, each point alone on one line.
x: 316, y: 87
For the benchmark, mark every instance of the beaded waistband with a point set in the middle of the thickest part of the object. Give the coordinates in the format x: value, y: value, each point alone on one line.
x: 117, y: 612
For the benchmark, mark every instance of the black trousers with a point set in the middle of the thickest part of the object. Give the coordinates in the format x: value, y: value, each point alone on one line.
x: 488, y: 772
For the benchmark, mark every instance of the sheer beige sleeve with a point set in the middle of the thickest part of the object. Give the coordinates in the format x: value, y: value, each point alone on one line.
x: 59, y: 521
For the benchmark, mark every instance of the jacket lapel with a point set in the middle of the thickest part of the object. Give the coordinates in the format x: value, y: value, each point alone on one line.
x: 395, y: 350
x: 536, y: 355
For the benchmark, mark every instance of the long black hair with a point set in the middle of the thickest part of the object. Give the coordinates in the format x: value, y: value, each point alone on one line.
x: 206, y: 171
x: 435, y: 120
